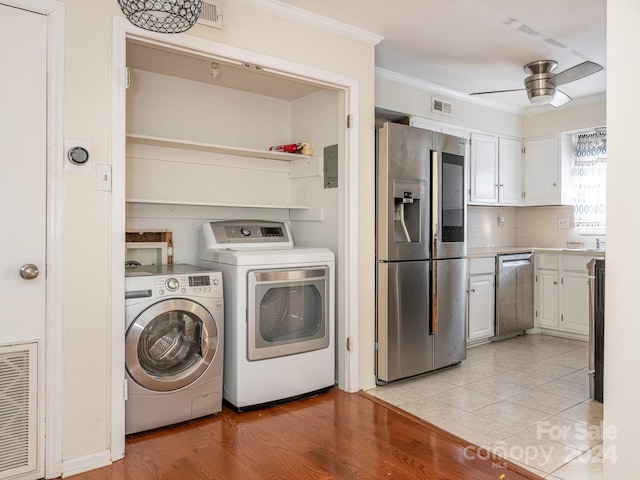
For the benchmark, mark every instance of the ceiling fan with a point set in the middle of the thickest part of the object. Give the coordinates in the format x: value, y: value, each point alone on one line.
x: 541, y: 83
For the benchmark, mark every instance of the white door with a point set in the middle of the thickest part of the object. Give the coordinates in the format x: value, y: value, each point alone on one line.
x: 23, y: 144
x: 547, y: 308
x: 482, y: 303
x: 575, y: 302
x: 510, y: 172
x: 542, y: 171
x: 483, y: 178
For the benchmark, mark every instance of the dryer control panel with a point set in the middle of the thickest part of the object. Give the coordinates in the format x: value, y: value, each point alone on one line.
x: 238, y: 234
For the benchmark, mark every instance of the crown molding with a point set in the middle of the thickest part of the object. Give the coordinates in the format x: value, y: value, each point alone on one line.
x: 300, y: 15
x: 439, y: 89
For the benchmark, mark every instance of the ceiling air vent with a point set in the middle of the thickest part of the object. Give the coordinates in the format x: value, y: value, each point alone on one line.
x: 440, y: 106
x: 211, y: 14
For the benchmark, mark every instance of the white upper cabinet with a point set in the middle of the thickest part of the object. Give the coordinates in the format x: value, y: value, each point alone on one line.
x: 547, y: 171
x: 509, y: 171
x: 483, y: 181
x: 496, y: 170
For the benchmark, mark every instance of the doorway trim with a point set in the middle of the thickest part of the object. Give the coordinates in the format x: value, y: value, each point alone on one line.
x: 347, y: 299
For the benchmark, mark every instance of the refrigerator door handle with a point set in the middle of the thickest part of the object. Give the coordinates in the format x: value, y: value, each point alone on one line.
x: 434, y: 299
x: 435, y: 197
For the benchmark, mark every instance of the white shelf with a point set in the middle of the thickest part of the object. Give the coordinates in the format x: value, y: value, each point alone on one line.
x: 210, y: 147
x: 213, y: 204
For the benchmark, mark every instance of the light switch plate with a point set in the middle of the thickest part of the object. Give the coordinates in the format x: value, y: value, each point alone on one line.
x: 103, y: 177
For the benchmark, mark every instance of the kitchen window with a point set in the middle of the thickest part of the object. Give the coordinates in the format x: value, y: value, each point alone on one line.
x: 590, y: 179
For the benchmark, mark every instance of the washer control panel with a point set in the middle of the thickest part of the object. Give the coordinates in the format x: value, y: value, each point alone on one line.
x: 207, y: 284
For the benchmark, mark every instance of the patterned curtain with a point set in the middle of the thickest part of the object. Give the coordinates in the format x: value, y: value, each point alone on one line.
x: 590, y: 178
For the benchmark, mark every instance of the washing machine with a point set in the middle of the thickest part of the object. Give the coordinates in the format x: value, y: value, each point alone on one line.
x: 174, y: 344
x: 279, y: 312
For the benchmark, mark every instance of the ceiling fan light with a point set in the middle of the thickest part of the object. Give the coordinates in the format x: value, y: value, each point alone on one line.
x: 541, y: 99
x: 540, y: 91
x: 162, y: 16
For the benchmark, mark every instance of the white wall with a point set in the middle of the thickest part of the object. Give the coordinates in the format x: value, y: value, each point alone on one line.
x: 412, y: 98
x: 315, y: 118
x: 166, y: 106
x: 213, y: 114
x: 87, y: 247
x: 567, y: 119
x: 622, y: 329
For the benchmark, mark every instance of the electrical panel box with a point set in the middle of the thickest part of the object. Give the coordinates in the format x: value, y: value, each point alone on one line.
x: 331, y: 166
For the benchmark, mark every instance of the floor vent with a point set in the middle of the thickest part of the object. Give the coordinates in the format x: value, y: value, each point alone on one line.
x: 440, y: 106
x: 211, y: 14
x: 18, y: 407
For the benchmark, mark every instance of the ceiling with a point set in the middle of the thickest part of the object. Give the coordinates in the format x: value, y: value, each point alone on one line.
x: 456, y: 47
x: 468, y: 46
x: 198, y: 67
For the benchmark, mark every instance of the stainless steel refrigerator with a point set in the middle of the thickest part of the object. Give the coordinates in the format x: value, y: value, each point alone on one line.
x: 420, y: 250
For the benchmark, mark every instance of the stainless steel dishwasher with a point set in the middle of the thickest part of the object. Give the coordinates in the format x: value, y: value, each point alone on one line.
x: 514, y: 294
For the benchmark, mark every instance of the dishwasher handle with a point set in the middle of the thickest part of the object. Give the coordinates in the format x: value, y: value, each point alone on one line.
x: 515, y: 260
x: 515, y: 263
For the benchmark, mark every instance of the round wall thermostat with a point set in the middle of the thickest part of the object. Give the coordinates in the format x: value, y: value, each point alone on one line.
x: 78, y: 155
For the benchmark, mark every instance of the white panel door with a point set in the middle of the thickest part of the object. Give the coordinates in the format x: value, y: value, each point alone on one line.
x: 547, y: 308
x: 575, y: 302
x: 542, y: 171
x: 483, y: 179
x: 482, y: 318
x: 23, y: 144
x: 510, y: 172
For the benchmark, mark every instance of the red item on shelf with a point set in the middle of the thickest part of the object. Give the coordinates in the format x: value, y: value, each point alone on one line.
x: 289, y: 148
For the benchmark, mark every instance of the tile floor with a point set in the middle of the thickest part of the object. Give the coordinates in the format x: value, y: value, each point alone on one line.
x: 525, y: 399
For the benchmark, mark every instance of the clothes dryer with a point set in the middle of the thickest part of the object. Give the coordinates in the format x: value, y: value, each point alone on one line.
x: 173, y: 345
x: 279, y: 312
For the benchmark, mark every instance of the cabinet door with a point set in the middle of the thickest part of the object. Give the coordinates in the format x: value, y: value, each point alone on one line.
x: 542, y: 171
x: 575, y: 302
x: 484, y: 169
x: 481, y: 322
x: 509, y: 172
x: 547, y: 299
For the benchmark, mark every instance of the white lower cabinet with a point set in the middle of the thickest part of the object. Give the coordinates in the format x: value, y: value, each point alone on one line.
x: 562, y: 293
x: 481, y: 291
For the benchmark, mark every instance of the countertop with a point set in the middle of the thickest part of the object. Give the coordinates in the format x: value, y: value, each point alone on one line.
x: 493, y: 251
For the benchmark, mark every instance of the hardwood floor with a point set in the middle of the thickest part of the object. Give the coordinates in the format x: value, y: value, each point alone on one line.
x: 334, y: 435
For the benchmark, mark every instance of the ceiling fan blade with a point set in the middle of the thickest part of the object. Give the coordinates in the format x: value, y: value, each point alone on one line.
x: 498, y: 91
x: 576, y: 72
x: 559, y: 99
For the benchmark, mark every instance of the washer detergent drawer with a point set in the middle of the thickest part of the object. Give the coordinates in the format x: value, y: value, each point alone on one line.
x: 170, y: 344
x: 287, y: 311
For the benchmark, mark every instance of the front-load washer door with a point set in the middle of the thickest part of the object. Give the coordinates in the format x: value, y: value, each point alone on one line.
x: 170, y: 344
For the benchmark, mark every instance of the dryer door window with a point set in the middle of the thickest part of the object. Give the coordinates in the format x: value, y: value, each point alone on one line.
x: 288, y: 312
x: 170, y: 344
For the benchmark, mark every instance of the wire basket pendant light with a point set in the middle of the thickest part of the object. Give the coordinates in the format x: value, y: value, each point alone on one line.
x: 162, y: 16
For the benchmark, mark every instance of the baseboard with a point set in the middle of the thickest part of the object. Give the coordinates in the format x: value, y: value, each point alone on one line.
x: 564, y: 334
x: 367, y: 383
x: 74, y: 466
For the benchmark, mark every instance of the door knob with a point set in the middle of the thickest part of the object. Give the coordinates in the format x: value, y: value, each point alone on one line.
x: 29, y: 271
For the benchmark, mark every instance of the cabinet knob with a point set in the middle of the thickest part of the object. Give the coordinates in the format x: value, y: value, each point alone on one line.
x: 555, y: 282
x: 555, y: 184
